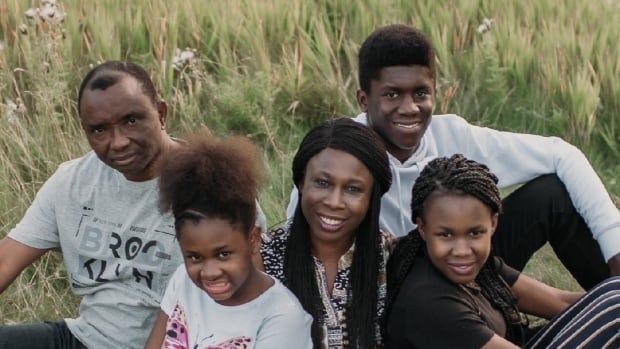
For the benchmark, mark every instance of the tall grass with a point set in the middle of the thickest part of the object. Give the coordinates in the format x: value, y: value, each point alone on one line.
x: 270, y: 69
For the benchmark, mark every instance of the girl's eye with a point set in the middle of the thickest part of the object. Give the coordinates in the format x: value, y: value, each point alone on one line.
x: 445, y: 234
x: 391, y: 94
x: 193, y: 258
x: 476, y: 233
x: 131, y: 121
x: 224, y: 254
x: 421, y: 94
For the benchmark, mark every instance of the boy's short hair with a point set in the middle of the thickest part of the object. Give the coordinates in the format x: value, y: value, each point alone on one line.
x: 393, y: 45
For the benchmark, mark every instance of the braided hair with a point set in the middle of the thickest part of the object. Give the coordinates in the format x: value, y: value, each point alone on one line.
x: 461, y: 176
x: 358, y: 140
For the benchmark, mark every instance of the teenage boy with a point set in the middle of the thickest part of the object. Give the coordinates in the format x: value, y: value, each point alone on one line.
x: 561, y: 201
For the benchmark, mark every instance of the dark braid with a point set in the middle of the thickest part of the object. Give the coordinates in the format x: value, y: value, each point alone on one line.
x: 456, y: 175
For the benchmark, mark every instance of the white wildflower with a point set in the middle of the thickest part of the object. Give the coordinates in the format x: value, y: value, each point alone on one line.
x: 486, y: 25
x: 181, y: 59
x: 31, y: 13
x: 12, y: 109
x: 23, y: 29
x: 48, y: 12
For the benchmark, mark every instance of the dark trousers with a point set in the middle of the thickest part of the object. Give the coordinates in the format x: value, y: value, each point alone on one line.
x: 593, y: 322
x: 541, y: 211
x: 44, y: 335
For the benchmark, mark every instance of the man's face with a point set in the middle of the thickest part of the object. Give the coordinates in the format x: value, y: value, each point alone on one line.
x: 124, y: 128
x: 399, y: 107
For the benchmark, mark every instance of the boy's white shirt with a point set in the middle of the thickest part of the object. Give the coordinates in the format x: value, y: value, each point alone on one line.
x: 515, y: 158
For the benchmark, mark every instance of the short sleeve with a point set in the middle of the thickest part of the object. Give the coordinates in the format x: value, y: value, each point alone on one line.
x: 38, y: 228
x: 171, y: 296
x: 509, y: 274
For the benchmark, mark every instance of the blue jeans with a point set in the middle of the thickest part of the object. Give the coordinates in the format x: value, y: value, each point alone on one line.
x: 44, y: 335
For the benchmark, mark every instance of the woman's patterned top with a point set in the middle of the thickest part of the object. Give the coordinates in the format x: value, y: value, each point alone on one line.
x: 273, y: 251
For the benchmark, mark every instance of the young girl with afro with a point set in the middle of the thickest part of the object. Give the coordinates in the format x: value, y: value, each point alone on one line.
x: 219, y: 299
x: 447, y: 290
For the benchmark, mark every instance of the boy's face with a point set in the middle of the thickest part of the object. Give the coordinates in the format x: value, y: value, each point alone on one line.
x: 399, y: 107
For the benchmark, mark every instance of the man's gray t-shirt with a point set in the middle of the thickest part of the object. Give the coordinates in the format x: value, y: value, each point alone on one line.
x: 118, y: 248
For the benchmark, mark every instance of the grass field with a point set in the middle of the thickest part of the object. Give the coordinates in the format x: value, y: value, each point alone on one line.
x: 270, y: 69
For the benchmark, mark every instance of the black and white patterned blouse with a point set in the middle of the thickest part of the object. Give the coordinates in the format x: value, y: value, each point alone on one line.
x: 273, y: 251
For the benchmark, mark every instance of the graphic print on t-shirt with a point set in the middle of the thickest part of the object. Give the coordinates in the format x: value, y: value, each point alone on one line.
x: 177, y: 335
x: 110, y: 250
x: 176, y: 330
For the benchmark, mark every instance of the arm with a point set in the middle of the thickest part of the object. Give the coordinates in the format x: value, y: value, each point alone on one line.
x: 497, y: 342
x: 517, y: 158
x: 156, y: 338
x: 537, y: 298
x: 15, y: 257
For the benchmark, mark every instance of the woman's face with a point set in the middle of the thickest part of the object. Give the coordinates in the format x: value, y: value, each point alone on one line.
x: 335, y: 195
x: 457, y: 230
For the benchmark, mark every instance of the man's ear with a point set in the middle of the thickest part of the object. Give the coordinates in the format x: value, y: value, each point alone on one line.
x: 362, y: 100
x: 162, y: 110
x: 420, y: 223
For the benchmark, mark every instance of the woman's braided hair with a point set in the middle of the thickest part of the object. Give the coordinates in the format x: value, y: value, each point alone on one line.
x: 461, y: 176
x: 361, y: 311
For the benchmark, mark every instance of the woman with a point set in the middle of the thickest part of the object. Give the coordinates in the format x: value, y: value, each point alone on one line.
x: 219, y: 299
x: 446, y: 290
x: 332, y: 255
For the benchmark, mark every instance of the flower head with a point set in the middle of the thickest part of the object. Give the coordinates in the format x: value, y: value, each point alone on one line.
x: 184, y: 58
x: 486, y: 25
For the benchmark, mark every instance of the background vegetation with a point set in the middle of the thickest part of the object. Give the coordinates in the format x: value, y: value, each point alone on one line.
x: 270, y: 69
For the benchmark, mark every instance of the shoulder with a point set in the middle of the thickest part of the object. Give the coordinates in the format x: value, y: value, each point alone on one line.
x: 86, y: 161
x: 425, y: 290
x: 274, y: 239
x: 284, y: 308
x: 509, y: 274
x: 85, y: 167
x: 282, y: 300
x: 447, y: 121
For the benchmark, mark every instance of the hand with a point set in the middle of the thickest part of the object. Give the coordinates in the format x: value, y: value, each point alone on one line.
x: 614, y: 265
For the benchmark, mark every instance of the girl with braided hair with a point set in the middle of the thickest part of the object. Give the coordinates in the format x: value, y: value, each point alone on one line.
x: 447, y: 290
x: 332, y: 255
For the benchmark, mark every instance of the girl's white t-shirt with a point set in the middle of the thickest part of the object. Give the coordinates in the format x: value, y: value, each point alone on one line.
x: 274, y: 320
